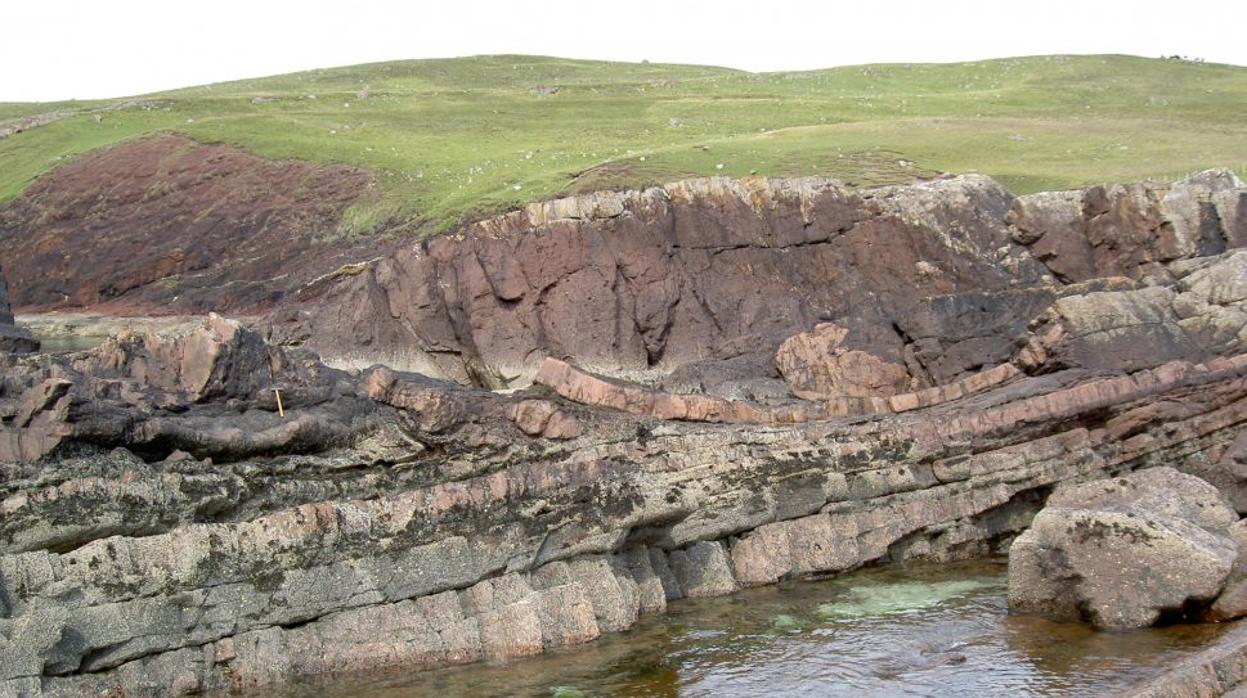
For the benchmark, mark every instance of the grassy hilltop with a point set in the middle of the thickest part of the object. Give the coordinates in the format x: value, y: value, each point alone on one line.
x: 457, y: 138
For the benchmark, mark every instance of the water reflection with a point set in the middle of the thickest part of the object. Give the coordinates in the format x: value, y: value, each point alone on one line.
x: 918, y: 630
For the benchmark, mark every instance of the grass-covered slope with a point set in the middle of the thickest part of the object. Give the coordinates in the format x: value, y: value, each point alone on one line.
x: 457, y: 138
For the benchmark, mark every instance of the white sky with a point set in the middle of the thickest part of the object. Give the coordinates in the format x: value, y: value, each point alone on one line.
x: 61, y: 49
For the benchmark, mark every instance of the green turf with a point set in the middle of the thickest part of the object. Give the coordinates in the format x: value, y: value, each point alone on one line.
x: 458, y: 138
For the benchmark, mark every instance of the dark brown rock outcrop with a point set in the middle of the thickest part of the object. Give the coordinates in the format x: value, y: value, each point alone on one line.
x: 166, y: 225
x: 211, y: 392
x: 12, y: 337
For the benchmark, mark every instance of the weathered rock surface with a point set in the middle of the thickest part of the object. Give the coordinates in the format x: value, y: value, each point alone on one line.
x: 544, y: 418
x: 637, y: 283
x: 441, y: 534
x: 1219, y: 670
x: 1200, y: 315
x: 210, y: 392
x: 1122, y: 552
x: 1232, y: 603
x: 12, y: 337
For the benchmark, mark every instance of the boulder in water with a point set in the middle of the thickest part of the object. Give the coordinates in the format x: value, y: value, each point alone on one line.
x: 1124, y: 552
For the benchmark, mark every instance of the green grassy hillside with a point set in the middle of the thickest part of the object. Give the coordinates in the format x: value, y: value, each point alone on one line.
x: 458, y: 138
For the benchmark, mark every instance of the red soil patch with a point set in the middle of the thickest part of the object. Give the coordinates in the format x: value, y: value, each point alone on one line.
x: 166, y: 224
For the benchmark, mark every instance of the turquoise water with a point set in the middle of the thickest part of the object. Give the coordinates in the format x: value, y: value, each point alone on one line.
x: 902, y: 630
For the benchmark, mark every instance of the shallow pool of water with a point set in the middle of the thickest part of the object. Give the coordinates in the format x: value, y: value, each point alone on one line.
x: 902, y: 630
x: 66, y: 344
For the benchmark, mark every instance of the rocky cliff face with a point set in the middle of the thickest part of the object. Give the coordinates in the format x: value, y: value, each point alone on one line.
x: 440, y: 524
x: 1132, y: 230
x: 704, y: 269
x: 941, y: 277
x: 167, y: 522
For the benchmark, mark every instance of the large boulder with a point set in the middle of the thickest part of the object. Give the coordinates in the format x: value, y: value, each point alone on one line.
x: 1232, y: 603
x: 1124, y: 552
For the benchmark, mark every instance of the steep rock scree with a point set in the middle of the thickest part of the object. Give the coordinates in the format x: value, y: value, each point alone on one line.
x: 167, y: 225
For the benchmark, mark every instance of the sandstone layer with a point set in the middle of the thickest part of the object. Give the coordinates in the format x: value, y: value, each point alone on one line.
x: 452, y: 525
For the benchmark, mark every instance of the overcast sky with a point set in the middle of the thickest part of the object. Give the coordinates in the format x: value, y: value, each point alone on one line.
x: 60, y: 49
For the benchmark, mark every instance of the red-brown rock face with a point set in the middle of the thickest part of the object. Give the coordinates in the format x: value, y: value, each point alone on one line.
x: 166, y: 224
x: 627, y: 282
x: 941, y: 277
x: 1132, y: 229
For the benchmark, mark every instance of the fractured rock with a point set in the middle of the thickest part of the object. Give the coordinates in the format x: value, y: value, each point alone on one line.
x: 1131, y: 229
x: 160, y: 394
x: 641, y: 282
x: 544, y: 418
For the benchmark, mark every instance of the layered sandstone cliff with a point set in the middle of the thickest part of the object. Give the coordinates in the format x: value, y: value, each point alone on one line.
x: 441, y: 526
x: 169, y: 526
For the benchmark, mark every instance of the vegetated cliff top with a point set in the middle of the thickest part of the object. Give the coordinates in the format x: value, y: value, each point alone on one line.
x: 454, y: 139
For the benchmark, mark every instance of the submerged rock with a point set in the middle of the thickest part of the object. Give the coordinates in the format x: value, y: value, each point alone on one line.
x: 1122, y: 552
